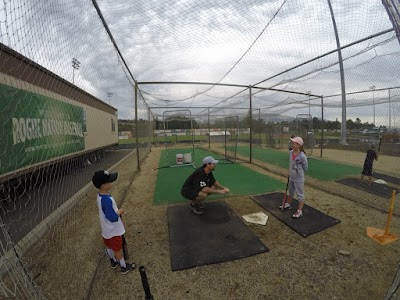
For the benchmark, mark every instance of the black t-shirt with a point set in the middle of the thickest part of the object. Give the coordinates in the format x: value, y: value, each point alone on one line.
x: 371, y: 155
x: 198, y: 180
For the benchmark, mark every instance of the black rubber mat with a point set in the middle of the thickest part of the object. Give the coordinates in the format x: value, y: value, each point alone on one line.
x: 381, y: 190
x: 216, y: 236
x: 311, y: 222
x: 391, y: 179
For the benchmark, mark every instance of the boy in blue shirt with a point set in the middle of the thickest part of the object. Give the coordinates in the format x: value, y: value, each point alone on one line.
x: 112, y: 228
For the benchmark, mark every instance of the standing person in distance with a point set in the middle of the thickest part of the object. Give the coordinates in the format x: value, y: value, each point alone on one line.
x: 298, y: 163
x: 111, y: 224
x: 369, y: 160
x: 200, y: 184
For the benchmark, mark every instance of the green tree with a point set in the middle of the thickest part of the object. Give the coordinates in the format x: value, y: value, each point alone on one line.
x: 350, y: 124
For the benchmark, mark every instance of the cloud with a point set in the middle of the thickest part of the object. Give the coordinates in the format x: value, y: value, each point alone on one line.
x: 205, y: 41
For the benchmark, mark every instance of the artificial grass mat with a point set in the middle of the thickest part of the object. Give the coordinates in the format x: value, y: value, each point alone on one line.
x: 240, y: 179
x: 317, y: 168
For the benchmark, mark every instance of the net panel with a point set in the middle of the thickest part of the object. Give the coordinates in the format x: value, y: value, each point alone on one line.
x: 179, y: 137
x: 304, y: 128
x: 59, y: 124
x: 51, y: 52
x: 231, y: 135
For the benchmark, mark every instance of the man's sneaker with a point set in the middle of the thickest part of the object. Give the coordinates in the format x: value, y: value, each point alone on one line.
x: 286, y: 206
x: 298, y: 214
x: 196, y: 209
x: 128, y: 268
x: 200, y: 205
x: 114, y: 264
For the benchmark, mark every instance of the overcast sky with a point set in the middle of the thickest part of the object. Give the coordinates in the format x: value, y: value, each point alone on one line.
x: 230, y: 42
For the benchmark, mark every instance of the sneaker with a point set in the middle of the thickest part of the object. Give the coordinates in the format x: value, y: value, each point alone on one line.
x: 200, y: 205
x: 128, y: 268
x: 114, y: 264
x: 298, y: 214
x: 196, y: 209
x: 286, y: 206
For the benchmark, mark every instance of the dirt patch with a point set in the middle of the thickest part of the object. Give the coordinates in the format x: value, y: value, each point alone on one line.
x: 294, y: 268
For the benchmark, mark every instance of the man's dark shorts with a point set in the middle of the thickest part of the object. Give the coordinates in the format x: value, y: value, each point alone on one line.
x: 190, y: 194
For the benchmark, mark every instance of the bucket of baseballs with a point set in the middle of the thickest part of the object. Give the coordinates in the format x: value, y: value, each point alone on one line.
x: 179, y: 159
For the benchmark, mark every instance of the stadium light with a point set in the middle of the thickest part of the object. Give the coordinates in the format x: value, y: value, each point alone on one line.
x: 109, y: 95
x: 75, y: 66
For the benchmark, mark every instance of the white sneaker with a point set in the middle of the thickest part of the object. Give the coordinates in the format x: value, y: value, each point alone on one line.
x: 286, y: 206
x: 298, y: 214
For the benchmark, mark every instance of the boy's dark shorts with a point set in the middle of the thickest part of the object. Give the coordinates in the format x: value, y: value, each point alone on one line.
x: 190, y: 194
x: 367, y: 170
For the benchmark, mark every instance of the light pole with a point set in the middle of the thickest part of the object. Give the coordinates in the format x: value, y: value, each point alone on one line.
x: 373, y: 101
x: 109, y: 97
x: 390, y: 112
x: 75, y: 66
x: 343, y: 134
x: 309, y: 102
x: 310, y: 121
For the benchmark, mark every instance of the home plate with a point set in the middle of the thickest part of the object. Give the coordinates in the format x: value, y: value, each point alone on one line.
x: 380, y: 181
x: 256, y: 218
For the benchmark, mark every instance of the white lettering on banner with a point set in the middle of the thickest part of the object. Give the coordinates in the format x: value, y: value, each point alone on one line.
x: 27, y: 129
x: 15, y: 130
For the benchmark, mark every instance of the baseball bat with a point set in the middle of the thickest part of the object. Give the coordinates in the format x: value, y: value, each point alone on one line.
x: 125, y: 248
x: 285, y: 196
x: 160, y: 168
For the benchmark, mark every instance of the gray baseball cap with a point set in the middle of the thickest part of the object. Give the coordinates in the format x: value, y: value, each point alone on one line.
x: 209, y: 160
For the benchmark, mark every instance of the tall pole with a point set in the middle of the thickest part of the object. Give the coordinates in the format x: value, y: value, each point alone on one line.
x: 251, y: 125
x: 209, y: 128
x: 151, y: 132
x: 137, y: 128
x: 343, y: 130
x: 109, y: 97
x: 259, y: 127
x: 309, y: 112
x: 390, y: 112
x: 373, y: 102
x: 309, y: 102
x: 75, y: 66
x: 166, y: 105
x: 322, y: 125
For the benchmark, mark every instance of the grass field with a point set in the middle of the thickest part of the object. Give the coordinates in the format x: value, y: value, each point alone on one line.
x: 170, y: 180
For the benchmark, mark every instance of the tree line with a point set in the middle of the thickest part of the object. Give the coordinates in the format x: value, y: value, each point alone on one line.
x: 259, y: 124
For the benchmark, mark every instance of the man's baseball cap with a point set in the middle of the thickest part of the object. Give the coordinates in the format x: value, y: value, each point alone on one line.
x: 297, y: 140
x: 101, y: 177
x: 209, y: 160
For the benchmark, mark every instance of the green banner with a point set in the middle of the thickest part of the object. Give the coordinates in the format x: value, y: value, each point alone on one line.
x: 35, y: 128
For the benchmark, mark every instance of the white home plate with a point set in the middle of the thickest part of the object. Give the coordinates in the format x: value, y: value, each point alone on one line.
x: 256, y: 218
x: 380, y: 181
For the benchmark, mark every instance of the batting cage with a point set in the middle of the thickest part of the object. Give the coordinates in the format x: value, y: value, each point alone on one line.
x: 129, y: 82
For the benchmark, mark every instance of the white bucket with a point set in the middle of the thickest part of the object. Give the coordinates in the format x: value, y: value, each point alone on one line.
x: 187, y: 158
x: 179, y: 159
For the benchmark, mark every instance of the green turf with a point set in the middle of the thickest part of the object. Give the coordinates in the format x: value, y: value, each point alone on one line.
x: 240, y: 179
x: 317, y: 168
